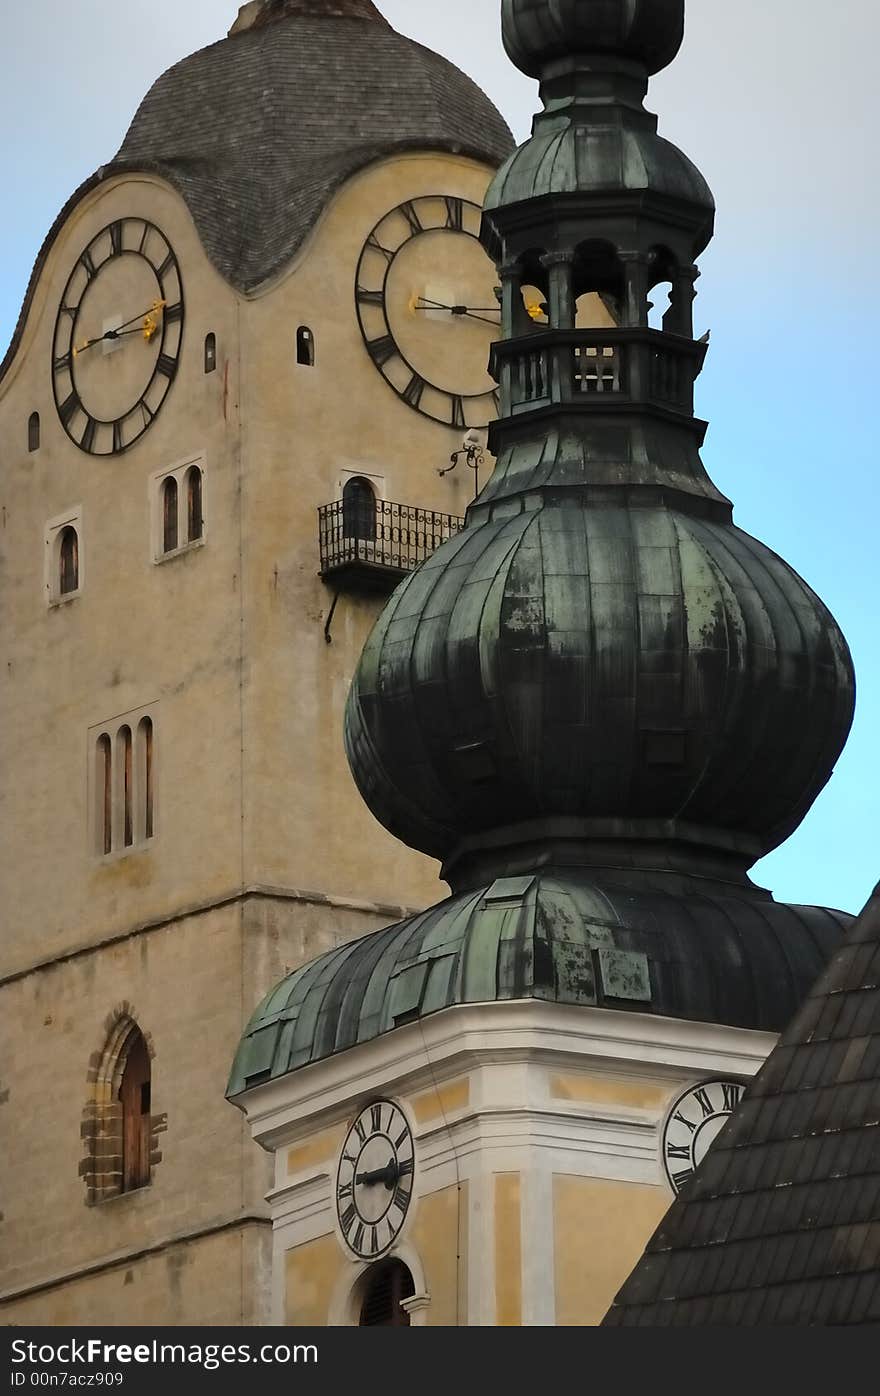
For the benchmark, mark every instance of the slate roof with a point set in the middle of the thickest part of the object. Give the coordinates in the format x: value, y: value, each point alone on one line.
x: 781, y: 1223
x: 257, y: 132
x: 677, y: 946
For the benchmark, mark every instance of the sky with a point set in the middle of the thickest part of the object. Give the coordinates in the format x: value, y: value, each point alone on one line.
x: 779, y: 105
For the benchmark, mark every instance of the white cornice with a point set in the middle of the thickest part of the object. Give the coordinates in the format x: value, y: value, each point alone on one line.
x: 434, y: 1049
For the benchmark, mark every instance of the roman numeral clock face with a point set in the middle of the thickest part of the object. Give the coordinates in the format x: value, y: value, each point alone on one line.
x: 694, y: 1123
x: 375, y: 1179
x: 118, y: 336
x: 428, y: 313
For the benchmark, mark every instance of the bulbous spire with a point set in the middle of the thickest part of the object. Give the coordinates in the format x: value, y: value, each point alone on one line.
x: 601, y: 666
x: 540, y: 32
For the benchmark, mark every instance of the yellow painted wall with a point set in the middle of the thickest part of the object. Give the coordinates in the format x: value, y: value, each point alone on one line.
x: 440, y: 1218
x: 600, y: 1229
x: 441, y: 1101
x: 610, y: 1090
x: 311, y: 1273
x: 508, y: 1250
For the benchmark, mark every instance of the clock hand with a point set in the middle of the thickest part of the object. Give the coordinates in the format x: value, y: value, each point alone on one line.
x: 143, y: 321
x: 389, y: 1175
x: 468, y: 310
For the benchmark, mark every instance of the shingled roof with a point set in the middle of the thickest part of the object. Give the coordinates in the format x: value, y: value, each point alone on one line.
x: 781, y: 1223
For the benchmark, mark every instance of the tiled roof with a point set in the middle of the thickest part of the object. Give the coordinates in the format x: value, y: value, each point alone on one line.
x: 781, y: 1223
x: 676, y: 946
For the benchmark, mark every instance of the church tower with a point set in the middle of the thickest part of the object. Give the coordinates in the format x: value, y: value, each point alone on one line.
x: 598, y: 705
x: 251, y: 343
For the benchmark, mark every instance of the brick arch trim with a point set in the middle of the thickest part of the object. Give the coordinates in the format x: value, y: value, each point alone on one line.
x: 101, y: 1129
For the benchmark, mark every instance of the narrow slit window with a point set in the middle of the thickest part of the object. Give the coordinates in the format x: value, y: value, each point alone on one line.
x: 135, y: 1099
x: 210, y: 353
x: 104, y: 790
x: 305, y: 347
x: 34, y: 432
x: 195, y: 522
x: 68, y: 562
x: 125, y: 757
x: 169, y: 515
x: 145, y: 775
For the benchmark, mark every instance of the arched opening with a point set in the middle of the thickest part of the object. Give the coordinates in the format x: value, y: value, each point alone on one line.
x: 34, y: 432
x: 169, y: 515
x: 194, y: 516
x: 68, y: 561
x: 210, y: 353
x: 134, y: 1097
x: 359, y: 510
x: 305, y: 347
x: 385, y: 1286
x: 104, y: 794
x: 534, y: 305
x: 118, y: 1121
x: 598, y: 270
x: 146, y: 777
x: 124, y: 755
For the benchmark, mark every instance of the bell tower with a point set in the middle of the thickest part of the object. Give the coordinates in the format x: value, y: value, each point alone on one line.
x: 598, y: 706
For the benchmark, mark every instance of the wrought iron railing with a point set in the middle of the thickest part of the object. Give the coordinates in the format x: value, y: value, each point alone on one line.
x: 380, y: 537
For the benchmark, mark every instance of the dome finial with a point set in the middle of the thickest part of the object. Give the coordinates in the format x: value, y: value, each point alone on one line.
x: 540, y: 32
x: 258, y: 13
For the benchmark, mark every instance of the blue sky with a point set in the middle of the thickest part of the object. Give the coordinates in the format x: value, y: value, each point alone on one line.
x: 779, y: 105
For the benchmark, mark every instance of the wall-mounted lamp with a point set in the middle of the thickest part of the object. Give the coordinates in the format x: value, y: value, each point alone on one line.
x: 472, y: 450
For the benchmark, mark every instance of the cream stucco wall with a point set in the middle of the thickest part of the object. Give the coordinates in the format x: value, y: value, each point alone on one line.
x: 264, y: 854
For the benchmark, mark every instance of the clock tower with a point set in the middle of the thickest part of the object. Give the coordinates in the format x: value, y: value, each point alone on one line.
x: 598, y: 705
x: 251, y: 343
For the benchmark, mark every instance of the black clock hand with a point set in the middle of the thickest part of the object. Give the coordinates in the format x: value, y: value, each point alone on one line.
x: 389, y: 1175
x: 469, y: 311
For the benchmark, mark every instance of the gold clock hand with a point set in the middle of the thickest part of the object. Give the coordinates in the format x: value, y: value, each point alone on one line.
x: 147, y: 322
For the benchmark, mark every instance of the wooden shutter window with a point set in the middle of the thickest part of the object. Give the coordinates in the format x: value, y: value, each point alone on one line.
x: 134, y: 1097
x: 169, y: 515
x: 68, y: 562
x: 387, y: 1284
x: 194, y: 514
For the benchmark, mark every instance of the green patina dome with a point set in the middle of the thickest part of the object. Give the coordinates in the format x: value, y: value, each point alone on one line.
x: 581, y: 937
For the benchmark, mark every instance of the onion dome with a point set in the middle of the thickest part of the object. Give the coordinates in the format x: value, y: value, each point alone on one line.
x: 598, y: 673
x: 540, y: 32
x: 258, y: 132
x: 560, y: 937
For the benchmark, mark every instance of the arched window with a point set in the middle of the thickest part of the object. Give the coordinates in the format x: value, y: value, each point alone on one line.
x: 146, y: 797
x: 385, y: 1285
x: 169, y: 515
x: 194, y: 519
x: 104, y: 792
x: 210, y: 353
x: 134, y: 1097
x: 359, y: 510
x: 305, y: 347
x: 118, y: 1121
x: 34, y: 432
x: 68, y: 561
x: 124, y: 753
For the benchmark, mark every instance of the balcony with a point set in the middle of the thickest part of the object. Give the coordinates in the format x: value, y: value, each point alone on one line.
x: 608, y: 369
x: 372, y: 545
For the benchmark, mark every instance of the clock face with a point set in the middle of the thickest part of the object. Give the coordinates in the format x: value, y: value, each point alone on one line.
x: 694, y: 1123
x: 118, y: 337
x: 427, y: 309
x: 375, y: 1179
